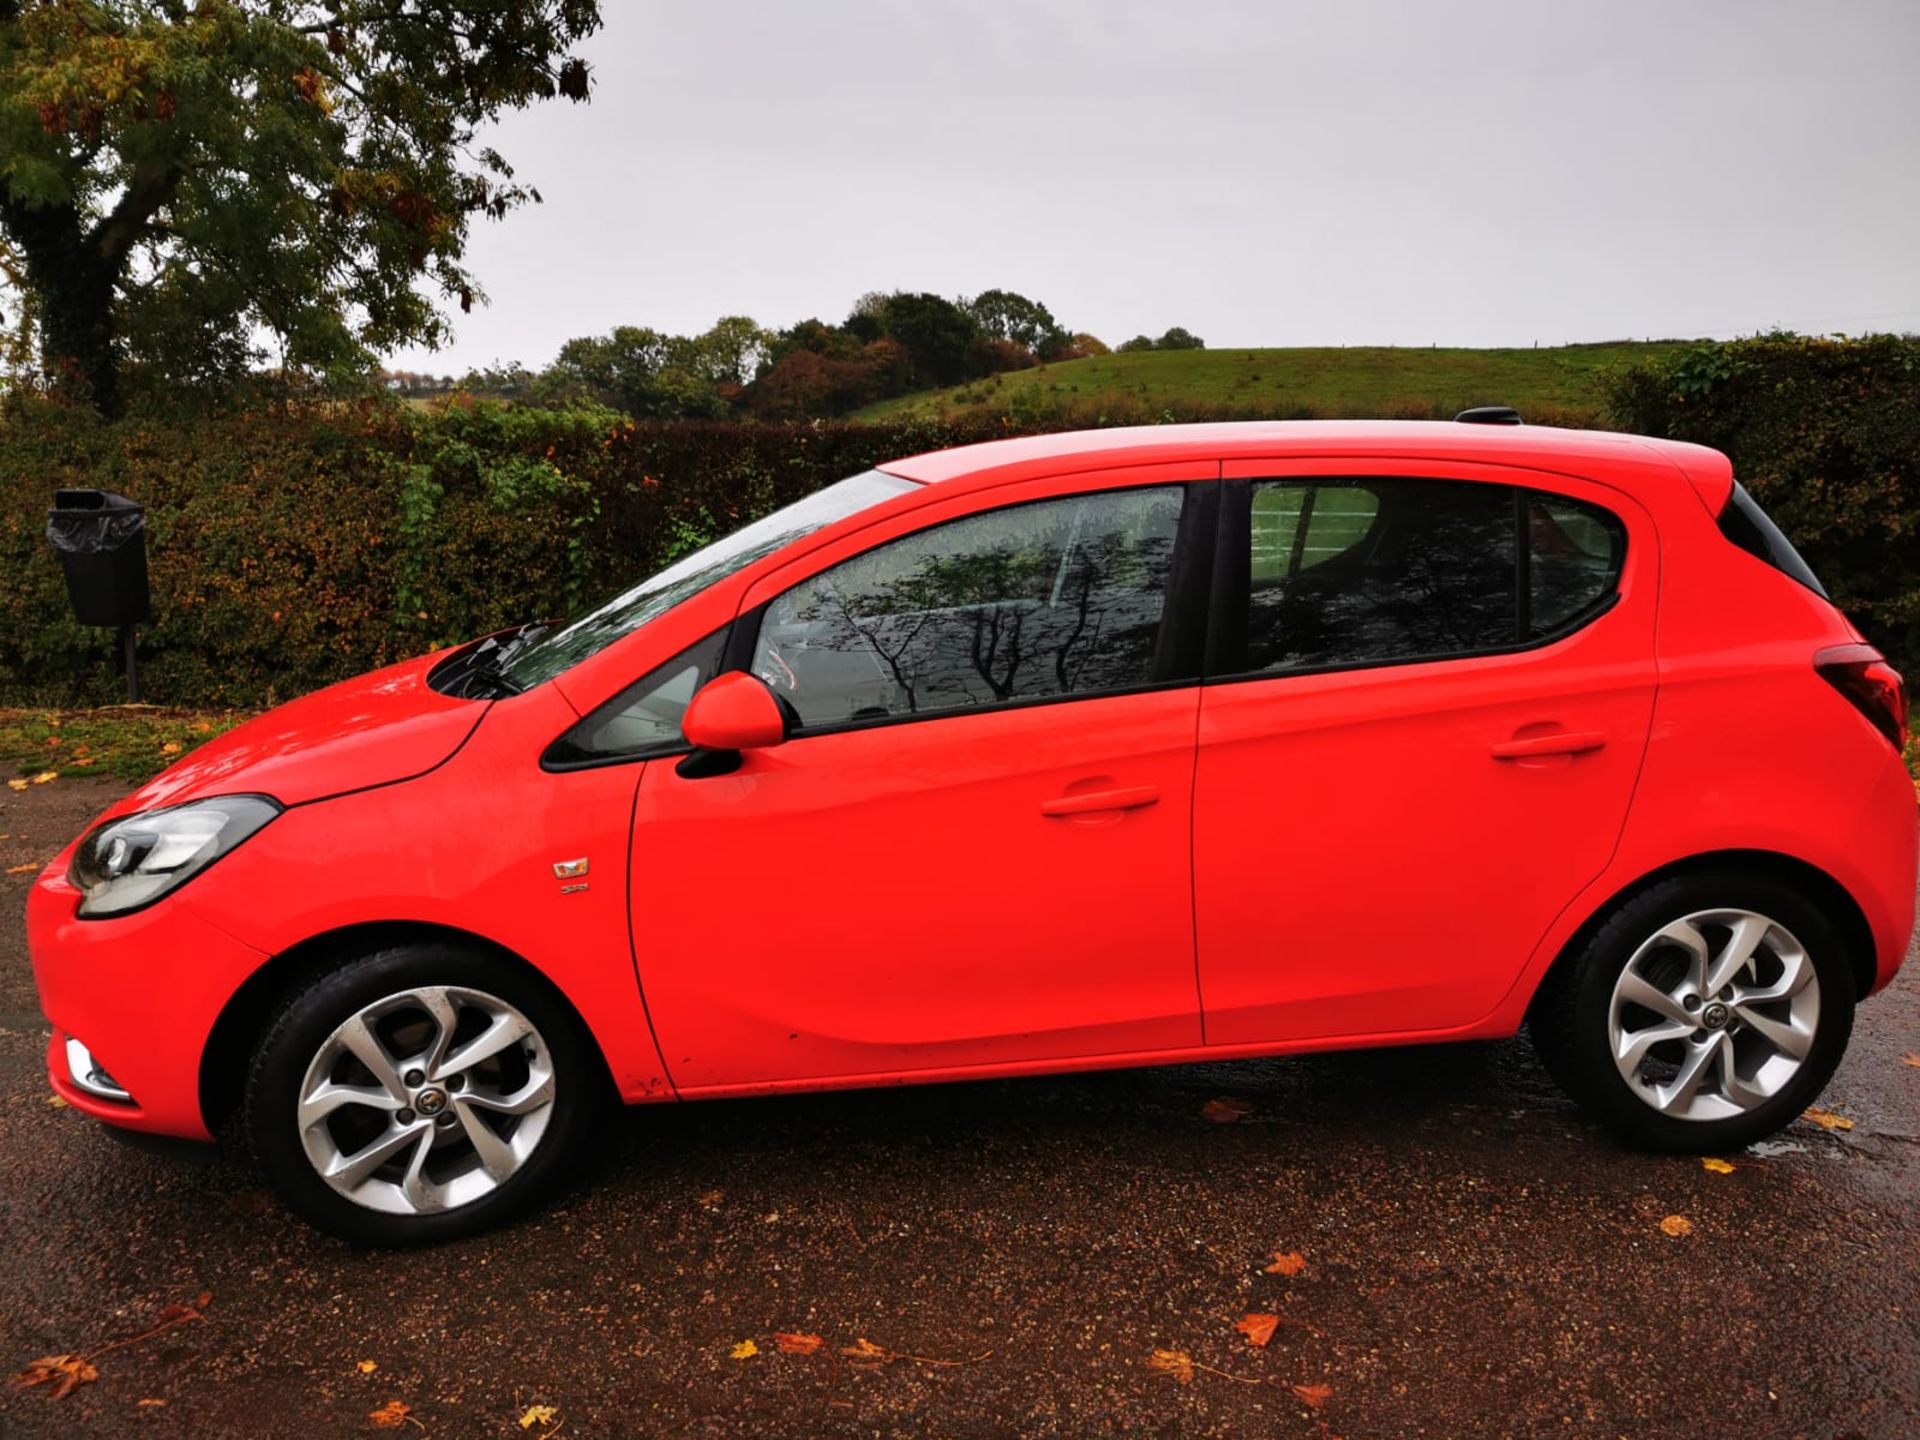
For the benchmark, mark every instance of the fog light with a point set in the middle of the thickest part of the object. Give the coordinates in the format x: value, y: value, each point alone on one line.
x: 89, y: 1077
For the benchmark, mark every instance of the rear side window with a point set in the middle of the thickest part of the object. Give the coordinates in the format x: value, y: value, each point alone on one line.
x: 1054, y: 598
x: 1574, y: 553
x: 1382, y: 571
x: 1752, y: 529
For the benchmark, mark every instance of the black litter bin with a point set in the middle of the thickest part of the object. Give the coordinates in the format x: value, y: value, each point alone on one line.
x: 102, y: 542
x: 101, y: 539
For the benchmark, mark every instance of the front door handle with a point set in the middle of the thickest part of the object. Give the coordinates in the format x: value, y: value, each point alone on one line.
x: 1133, y: 799
x: 1560, y: 742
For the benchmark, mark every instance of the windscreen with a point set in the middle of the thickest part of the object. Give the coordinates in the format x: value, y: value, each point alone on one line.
x: 566, y: 647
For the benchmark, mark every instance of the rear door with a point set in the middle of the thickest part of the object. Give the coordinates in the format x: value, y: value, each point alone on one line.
x: 974, y: 850
x: 1428, y: 696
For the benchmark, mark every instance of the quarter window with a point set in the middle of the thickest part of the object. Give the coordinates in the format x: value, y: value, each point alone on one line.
x: 1379, y: 571
x: 1573, y: 561
x: 1060, y: 597
x: 643, y: 719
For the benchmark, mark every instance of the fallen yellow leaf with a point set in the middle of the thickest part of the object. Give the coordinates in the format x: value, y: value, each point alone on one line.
x: 172, y: 747
x: 1226, y: 1110
x: 1826, y: 1119
x: 367, y: 1367
x: 1913, y: 1060
x: 745, y: 1350
x: 45, y: 775
x: 1716, y: 1165
x: 1314, y: 1395
x: 22, y: 869
x: 792, y: 1344
x: 1287, y: 1262
x: 1257, y: 1328
x: 713, y: 1197
x: 1676, y: 1226
x: 542, y: 1415
x: 16, y: 784
x: 152, y: 1402
x: 1176, y: 1363
x: 390, y: 1416
x: 55, y: 1102
x: 864, y: 1349
x: 65, y: 1373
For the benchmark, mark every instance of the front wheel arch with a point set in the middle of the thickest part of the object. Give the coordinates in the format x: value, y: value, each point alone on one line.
x: 250, y: 1010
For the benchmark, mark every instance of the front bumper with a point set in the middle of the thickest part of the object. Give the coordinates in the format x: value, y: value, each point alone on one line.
x: 140, y: 995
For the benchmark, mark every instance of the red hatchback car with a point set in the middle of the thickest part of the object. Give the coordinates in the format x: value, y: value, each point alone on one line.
x: 1120, y: 748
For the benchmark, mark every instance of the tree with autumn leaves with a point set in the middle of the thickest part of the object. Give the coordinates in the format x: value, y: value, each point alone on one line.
x: 181, y: 180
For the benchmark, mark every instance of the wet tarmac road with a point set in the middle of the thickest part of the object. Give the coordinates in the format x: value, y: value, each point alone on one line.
x: 1478, y: 1261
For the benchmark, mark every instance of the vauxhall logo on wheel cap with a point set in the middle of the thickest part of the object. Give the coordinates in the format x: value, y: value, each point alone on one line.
x: 1715, y: 1016
x: 430, y: 1102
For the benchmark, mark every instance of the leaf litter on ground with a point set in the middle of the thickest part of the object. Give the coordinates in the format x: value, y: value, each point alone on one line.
x: 66, y: 1373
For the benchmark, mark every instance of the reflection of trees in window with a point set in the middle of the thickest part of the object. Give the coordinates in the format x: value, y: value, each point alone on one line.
x: 1049, y: 599
x: 1435, y: 577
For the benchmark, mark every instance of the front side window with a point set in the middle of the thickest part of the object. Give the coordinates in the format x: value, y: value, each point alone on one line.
x: 1054, y: 598
x: 1381, y: 571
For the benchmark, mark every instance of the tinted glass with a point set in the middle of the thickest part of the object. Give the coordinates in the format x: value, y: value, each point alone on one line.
x: 1061, y: 597
x: 1574, y: 553
x: 1752, y: 529
x: 559, y: 649
x: 1400, y: 569
x: 643, y: 719
x: 1296, y: 527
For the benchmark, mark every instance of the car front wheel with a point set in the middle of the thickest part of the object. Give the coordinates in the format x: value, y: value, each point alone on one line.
x: 1706, y: 1013
x: 418, y: 1094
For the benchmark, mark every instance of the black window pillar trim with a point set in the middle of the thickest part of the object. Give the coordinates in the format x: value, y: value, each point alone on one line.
x: 742, y: 640
x: 1180, y: 649
x: 1231, y: 588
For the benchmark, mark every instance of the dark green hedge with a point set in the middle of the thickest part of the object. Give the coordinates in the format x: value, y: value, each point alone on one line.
x: 293, y: 546
x: 1826, y: 434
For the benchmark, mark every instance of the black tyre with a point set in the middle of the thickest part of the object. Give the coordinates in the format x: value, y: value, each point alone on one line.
x: 419, y: 1094
x: 1705, y: 1013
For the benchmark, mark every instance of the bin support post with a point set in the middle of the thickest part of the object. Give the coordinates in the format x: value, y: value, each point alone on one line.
x: 133, y: 664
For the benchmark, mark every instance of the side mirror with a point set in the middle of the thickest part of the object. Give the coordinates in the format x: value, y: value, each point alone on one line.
x: 733, y: 712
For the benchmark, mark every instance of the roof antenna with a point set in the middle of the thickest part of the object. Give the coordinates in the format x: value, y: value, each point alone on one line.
x: 1488, y: 415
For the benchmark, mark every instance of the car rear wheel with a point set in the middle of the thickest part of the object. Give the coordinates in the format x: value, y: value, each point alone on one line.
x: 1706, y: 1013
x: 419, y: 1094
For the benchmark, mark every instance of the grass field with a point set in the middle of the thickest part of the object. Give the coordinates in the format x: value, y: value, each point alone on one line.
x: 1560, y: 381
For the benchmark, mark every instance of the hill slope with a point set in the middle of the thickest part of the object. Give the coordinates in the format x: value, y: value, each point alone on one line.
x: 1283, y: 383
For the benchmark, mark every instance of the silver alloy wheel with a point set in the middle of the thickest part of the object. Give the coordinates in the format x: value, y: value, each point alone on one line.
x: 1714, y: 1014
x: 426, y: 1100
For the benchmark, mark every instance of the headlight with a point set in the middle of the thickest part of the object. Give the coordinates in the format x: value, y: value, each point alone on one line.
x: 131, y: 862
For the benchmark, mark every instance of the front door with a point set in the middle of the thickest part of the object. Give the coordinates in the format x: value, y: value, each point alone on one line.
x: 1428, y: 696
x: 974, y: 849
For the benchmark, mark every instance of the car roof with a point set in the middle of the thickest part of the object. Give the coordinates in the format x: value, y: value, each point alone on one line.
x: 1538, y: 446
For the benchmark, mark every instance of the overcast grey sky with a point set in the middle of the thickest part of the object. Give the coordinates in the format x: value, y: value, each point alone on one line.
x: 1469, y: 173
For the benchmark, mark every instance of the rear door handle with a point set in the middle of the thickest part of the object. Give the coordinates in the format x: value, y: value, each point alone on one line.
x: 1560, y: 742
x: 1098, y: 800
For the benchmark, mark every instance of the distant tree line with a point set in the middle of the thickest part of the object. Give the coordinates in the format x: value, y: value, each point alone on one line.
x: 1175, y: 339
x: 891, y: 344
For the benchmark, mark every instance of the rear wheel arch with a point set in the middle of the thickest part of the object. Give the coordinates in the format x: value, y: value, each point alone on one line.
x: 249, y: 1012
x: 1809, y: 881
